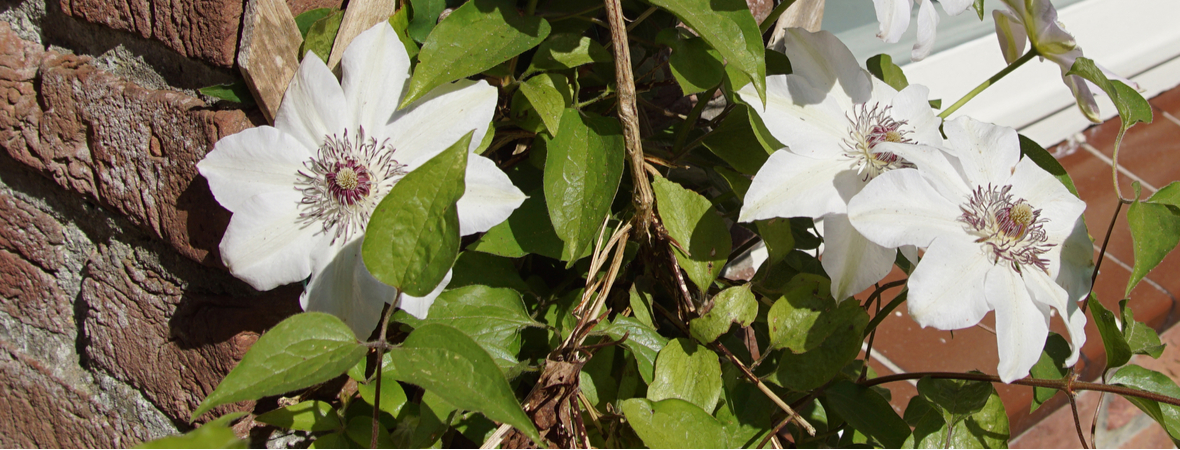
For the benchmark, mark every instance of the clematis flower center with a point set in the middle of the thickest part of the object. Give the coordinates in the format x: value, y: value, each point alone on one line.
x: 344, y: 181
x: 869, y: 127
x: 1010, y: 229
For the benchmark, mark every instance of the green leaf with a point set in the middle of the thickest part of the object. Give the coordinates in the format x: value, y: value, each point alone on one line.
x: 868, y: 412
x: 987, y: 428
x: 1166, y: 415
x: 234, y: 92
x: 426, y: 14
x: 733, y: 305
x: 1051, y: 366
x: 303, y: 350
x: 549, y: 94
x: 1030, y: 149
x: 806, y: 315
x: 779, y: 239
x: 809, y: 370
x: 641, y: 300
x: 332, y: 440
x: 393, y: 397
x: 413, y: 236
x: 738, y: 182
x: 1118, y: 352
x: 360, y: 431
x: 1141, y: 339
x: 736, y: 141
x: 476, y: 37
x: 686, y: 371
x: 882, y: 67
x: 978, y: 6
x: 215, y: 434
x: 644, y: 342
x: 691, y: 220
x: 695, y: 65
x: 568, y: 50
x: 527, y: 230
x: 745, y: 412
x: 582, y: 173
x: 446, y: 362
x: 400, y: 22
x: 955, y: 399
x: 728, y: 27
x: 1155, y: 230
x: 491, y: 317
x: 321, y: 35
x: 304, y: 21
x: 311, y: 415
x: 673, y: 423
x: 486, y: 269
x: 1132, y: 107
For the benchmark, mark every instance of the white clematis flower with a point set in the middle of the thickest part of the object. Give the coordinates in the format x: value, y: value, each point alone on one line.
x: 301, y: 192
x: 831, y: 114
x: 994, y: 226
x: 894, y: 16
x: 1036, y: 21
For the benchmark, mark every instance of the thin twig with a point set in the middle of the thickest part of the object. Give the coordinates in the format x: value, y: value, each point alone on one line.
x: 496, y: 437
x: 1102, y: 254
x: 1073, y: 404
x: 381, y: 354
x: 766, y: 390
x: 1062, y: 384
x: 642, y: 197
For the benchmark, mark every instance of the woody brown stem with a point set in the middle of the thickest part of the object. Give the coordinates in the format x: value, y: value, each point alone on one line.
x: 642, y: 197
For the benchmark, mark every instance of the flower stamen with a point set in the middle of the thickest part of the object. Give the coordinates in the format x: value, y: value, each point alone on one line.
x: 869, y: 127
x: 1011, y: 229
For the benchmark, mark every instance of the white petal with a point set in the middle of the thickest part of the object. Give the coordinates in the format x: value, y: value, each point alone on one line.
x: 789, y: 185
x: 255, y: 161
x: 489, y: 199
x: 947, y: 287
x: 902, y: 208
x: 1021, y: 324
x: 438, y: 120
x: 1011, y: 34
x: 313, y: 106
x: 912, y: 106
x: 419, y: 306
x: 1046, y: 193
x: 988, y: 153
x: 809, y: 121
x: 894, y: 16
x: 345, y: 289
x: 376, y: 70
x: 853, y: 262
x: 265, y: 244
x: 1084, y: 96
x: 1047, y: 293
x: 927, y: 27
x: 955, y: 7
x: 1077, y: 263
x: 823, y: 60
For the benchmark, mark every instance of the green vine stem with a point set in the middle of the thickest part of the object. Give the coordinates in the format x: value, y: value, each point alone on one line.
x: 380, y: 355
x: 1065, y: 384
x: 987, y: 83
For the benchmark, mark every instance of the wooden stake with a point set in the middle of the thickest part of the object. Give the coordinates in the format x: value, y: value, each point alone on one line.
x: 358, y: 17
x: 269, y: 55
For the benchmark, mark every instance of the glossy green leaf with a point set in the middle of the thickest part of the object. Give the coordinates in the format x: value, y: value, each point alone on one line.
x: 1051, y: 366
x: 567, y: 50
x: 1168, y: 416
x: 426, y: 14
x: 882, y: 67
x: 360, y: 431
x: 644, y: 342
x: 778, y: 236
x: 641, y: 299
x: 696, y: 66
x: 308, y: 18
x: 1141, y: 339
x: 673, y: 423
x: 1132, y: 107
x: 806, y: 315
x: 491, y: 317
x: 736, y: 141
x: 728, y: 27
x: 549, y: 94
x: 486, y: 269
x: 215, y: 434
x: 691, y: 220
x: 1118, y: 352
x: 955, y: 399
x: 597, y: 381
x: 400, y: 21
x: 311, y: 415
x: 321, y: 35
x: 1155, y: 230
x: 332, y: 440
x: 745, y: 412
x: 582, y: 173
x: 868, y: 412
x: 446, y: 362
x: 393, y: 397
x: 733, y: 305
x: 987, y: 428
x: 234, y: 92
x: 809, y: 370
x: 303, y: 350
x: 413, y: 236
x: 527, y: 230
x: 687, y: 371
x: 475, y: 37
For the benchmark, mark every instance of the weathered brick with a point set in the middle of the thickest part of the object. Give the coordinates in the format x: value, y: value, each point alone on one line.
x: 30, y: 232
x: 33, y: 296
